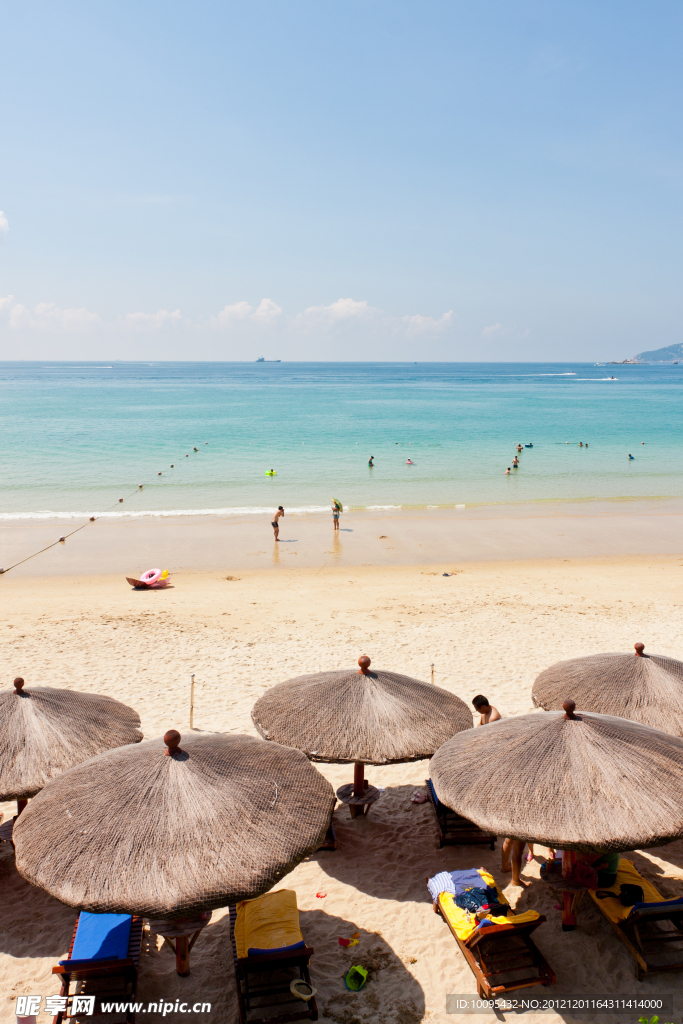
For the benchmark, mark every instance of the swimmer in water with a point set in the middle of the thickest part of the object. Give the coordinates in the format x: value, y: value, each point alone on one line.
x: 276, y: 521
x: 409, y: 462
x: 580, y: 444
x: 371, y: 461
x: 507, y: 471
x: 631, y: 459
x: 519, y: 448
x: 515, y: 462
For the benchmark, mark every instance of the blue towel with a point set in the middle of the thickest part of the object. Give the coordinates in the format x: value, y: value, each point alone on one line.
x: 658, y: 906
x: 100, y: 937
x: 454, y: 882
x: 254, y: 951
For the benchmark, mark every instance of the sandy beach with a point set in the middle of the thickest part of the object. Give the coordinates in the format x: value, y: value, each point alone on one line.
x: 490, y: 627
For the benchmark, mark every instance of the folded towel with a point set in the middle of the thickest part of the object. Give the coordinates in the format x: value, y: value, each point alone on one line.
x: 465, y: 924
x: 454, y: 882
x: 268, y: 923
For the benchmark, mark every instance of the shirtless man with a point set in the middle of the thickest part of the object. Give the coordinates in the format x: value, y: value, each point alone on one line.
x: 276, y: 521
x: 487, y: 711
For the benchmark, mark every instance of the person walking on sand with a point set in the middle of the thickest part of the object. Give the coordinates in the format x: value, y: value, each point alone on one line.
x: 337, y: 507
x: 276, y: 521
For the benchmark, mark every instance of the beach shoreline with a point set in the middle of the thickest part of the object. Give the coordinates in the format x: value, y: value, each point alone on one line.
x: 380, y: 538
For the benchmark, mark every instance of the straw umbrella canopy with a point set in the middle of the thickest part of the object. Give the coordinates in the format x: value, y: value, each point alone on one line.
x: 573, y: 781
x: 646, y: 688
x: 44, y: 731
x: 169, y: 832
x: 360, y: 717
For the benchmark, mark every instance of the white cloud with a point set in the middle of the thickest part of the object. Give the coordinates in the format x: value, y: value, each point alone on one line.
x: 153, y: 321
x: 4, y: 224
x: 418, y: 323
x: 49, y: 314
x: 354, y: 317
x: 267, y: 312
x: 342, y: 309
x: 502, y: 331
x: 489, y: 332
x: 46, y: 316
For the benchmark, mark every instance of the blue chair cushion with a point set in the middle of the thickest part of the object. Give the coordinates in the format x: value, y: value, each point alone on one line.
x: 252, y: 951
x: 100, y: 937
x: 657, y: 906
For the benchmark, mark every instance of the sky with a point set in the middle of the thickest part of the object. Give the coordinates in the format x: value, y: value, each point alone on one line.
x: 340, y: 179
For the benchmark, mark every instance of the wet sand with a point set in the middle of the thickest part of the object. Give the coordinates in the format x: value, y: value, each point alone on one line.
x: 382, y: 538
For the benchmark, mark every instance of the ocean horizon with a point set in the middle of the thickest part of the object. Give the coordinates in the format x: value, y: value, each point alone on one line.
x: 79, y: 436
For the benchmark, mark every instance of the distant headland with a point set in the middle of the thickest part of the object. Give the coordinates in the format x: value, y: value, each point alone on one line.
x: 669, y: 354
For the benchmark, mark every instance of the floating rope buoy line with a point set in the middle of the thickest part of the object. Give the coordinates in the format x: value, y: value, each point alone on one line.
x: 91, y: 519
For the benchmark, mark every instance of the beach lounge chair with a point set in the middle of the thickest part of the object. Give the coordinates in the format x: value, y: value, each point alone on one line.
x: 652, y: 931
x: 102, y: 962
x: 455, y: 830
x: 498, y: 947
x: 270, y: 953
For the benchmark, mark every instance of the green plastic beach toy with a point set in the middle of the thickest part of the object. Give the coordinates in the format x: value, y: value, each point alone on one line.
x: 356, y: 978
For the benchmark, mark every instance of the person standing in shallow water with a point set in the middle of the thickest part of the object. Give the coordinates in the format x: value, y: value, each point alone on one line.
x: 371, y: 461
x: 276, y: 521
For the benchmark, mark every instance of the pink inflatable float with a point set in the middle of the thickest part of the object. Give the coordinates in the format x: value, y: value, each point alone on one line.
x: 153, y: 579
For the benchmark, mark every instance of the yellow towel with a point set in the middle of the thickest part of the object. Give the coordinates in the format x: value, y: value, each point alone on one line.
x: 465, y: 923
x: 267, y: 922
x: 612, y: 909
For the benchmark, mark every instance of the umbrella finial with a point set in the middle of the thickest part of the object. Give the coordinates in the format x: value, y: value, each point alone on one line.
x: 18, y: 684
x: 639, y: 650
x: 172, y: 740
x: 364, y: 663
x: 568, y: 708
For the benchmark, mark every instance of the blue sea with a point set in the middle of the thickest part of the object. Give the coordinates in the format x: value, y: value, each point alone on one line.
x: 77, y: 437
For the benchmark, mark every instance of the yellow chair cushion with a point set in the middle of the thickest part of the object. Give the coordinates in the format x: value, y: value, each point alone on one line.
x: 612, y: 909
x: 268, y: 922
x: 464, y: 923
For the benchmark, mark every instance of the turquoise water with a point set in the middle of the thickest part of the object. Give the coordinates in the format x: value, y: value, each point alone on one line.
x: 77, y: 437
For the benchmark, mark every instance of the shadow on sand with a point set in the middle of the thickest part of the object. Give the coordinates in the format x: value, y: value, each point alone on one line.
x: 391, y: 994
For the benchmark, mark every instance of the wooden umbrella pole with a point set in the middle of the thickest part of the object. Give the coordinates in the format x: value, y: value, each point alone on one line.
x: 192, y: 702
x: 182, y: 955
x: 358, y: 778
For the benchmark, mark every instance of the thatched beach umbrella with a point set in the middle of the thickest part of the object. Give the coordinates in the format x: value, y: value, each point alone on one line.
x: 44, y: 731
x: 574, y: 781
x: 360, y: 717
x: 646, y: 688
x: 169, y: 832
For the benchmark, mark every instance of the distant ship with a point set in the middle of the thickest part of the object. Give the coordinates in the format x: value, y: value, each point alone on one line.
x: 262, y: 360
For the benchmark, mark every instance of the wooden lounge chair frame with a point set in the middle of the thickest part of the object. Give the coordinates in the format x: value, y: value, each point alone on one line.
x: 643, y: 938
x: 502, y: 949
x: 96, y: 980
x: 329, y: 843
x: 454, y: 830
x: 270, y: 963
